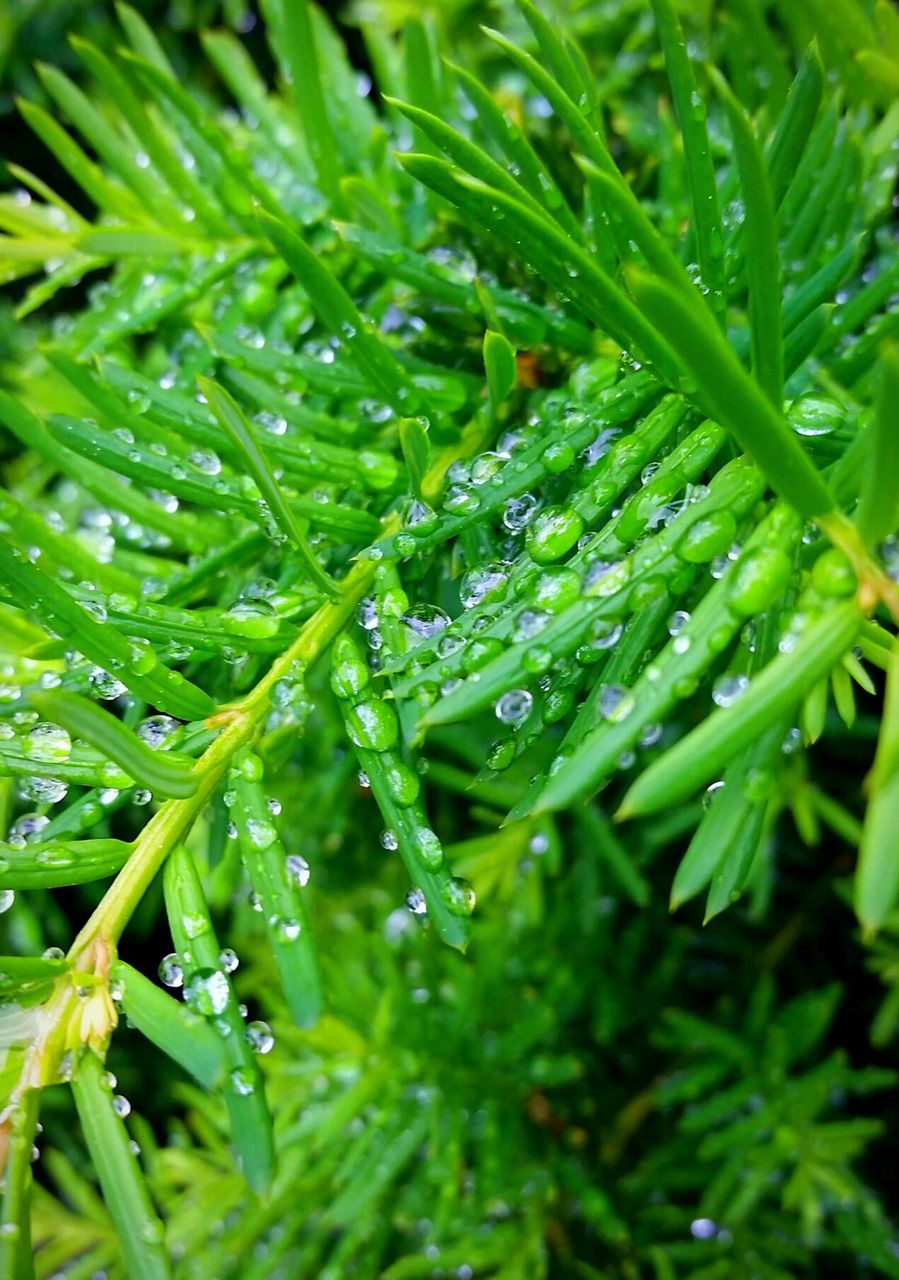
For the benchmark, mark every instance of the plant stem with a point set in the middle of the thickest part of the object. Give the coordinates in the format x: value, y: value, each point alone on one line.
x: 174, y: 818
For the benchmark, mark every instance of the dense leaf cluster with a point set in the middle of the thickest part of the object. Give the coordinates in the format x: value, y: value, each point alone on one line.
x: 479, y: 487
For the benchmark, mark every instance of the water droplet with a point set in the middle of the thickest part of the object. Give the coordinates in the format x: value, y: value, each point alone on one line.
x: 553, y: 533
x: 298, y: 869
x: 254, y: 619
x: 261, y: 833
x: 815, y: 415
x: 615, y: 703
x: 206, y: 461
x: 194, y: 924
x: 49, y: 742
x: 728, y: 688
x: 458, y: 896
x: 373, y: 725
x: 259, y: 1037
x: 425, y: 621
x: 243, y: 1081
x: 703, y: 1229
x: 514, y: 706
x: 428, y: 847
x: 155, y: 729
x: 711, y: 792
x: 45, y: 790
x: 416, y: 902
x: 461, y: 500
x: 518, y: 512
x: 486, y: 582
x: 27, y: 828
x: 207, y: 992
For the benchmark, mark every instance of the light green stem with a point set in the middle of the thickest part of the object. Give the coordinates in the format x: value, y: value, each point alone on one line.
x: 173, y: 819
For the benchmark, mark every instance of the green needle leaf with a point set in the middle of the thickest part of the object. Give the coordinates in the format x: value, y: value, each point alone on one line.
x: 208, y: 990
x: 16, y: 1261
x: 185, y: 1036
x: 232, y: 419
x: 22, y: 975
x: 373, y: 728
x: 340, y: 314
x: 140, y: 671
x: 878, y: 509
x: 469, y: 158
x: 140, y: 1232
x: 298, y: 47
x: 691, y: 114
x: 276, y: 879
x: 532, y: 173
x: 615, y: 196
x: 500, y: 367
x: 741, y: 838
x: 794, y: 126
x: 416, y: 450
x: 762, y: 261
x: 588, y: 139
x: 752, y: 585
x: 50, y: 864
x: 732, y: 397
x: 696, y: 759
x: 569, y: 269
x: 555, y: 53
x: 162, y: 773
x: 877, y: 874
x: 113, y: 149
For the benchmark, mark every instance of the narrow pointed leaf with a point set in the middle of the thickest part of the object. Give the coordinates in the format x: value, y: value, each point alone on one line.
x: 795, y: 123
x: 877, y: 874
x: 186, y: 1037
x: 299, y: 49
x: 235, y: 424
x: 373, y: 728
x: 499, y: 366
x: 738, y: 854
x: 340, y: 314
x: 614, y: 195
x: 416, y: 449
x: 208, y: 989
x: 732, y: 397
x: 20, y: 1129
x: 878, y: 508
x: 532, y: 172
x: 125, y: 1191
x: 468, y: 157
x: 753, y: 584
x: 276, y: 878
x: 53, y: 863
x: 780, y: 686
x: 762, y: 260
x: 691, y: 113
x: 159, y: 771
x: 50, y: 601
x: 569, y: 269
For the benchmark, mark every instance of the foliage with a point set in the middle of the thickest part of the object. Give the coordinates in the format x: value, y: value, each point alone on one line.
x: 503, y: 459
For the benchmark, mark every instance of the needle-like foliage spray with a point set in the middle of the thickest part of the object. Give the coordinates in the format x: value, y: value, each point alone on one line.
x: 449, y: 521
